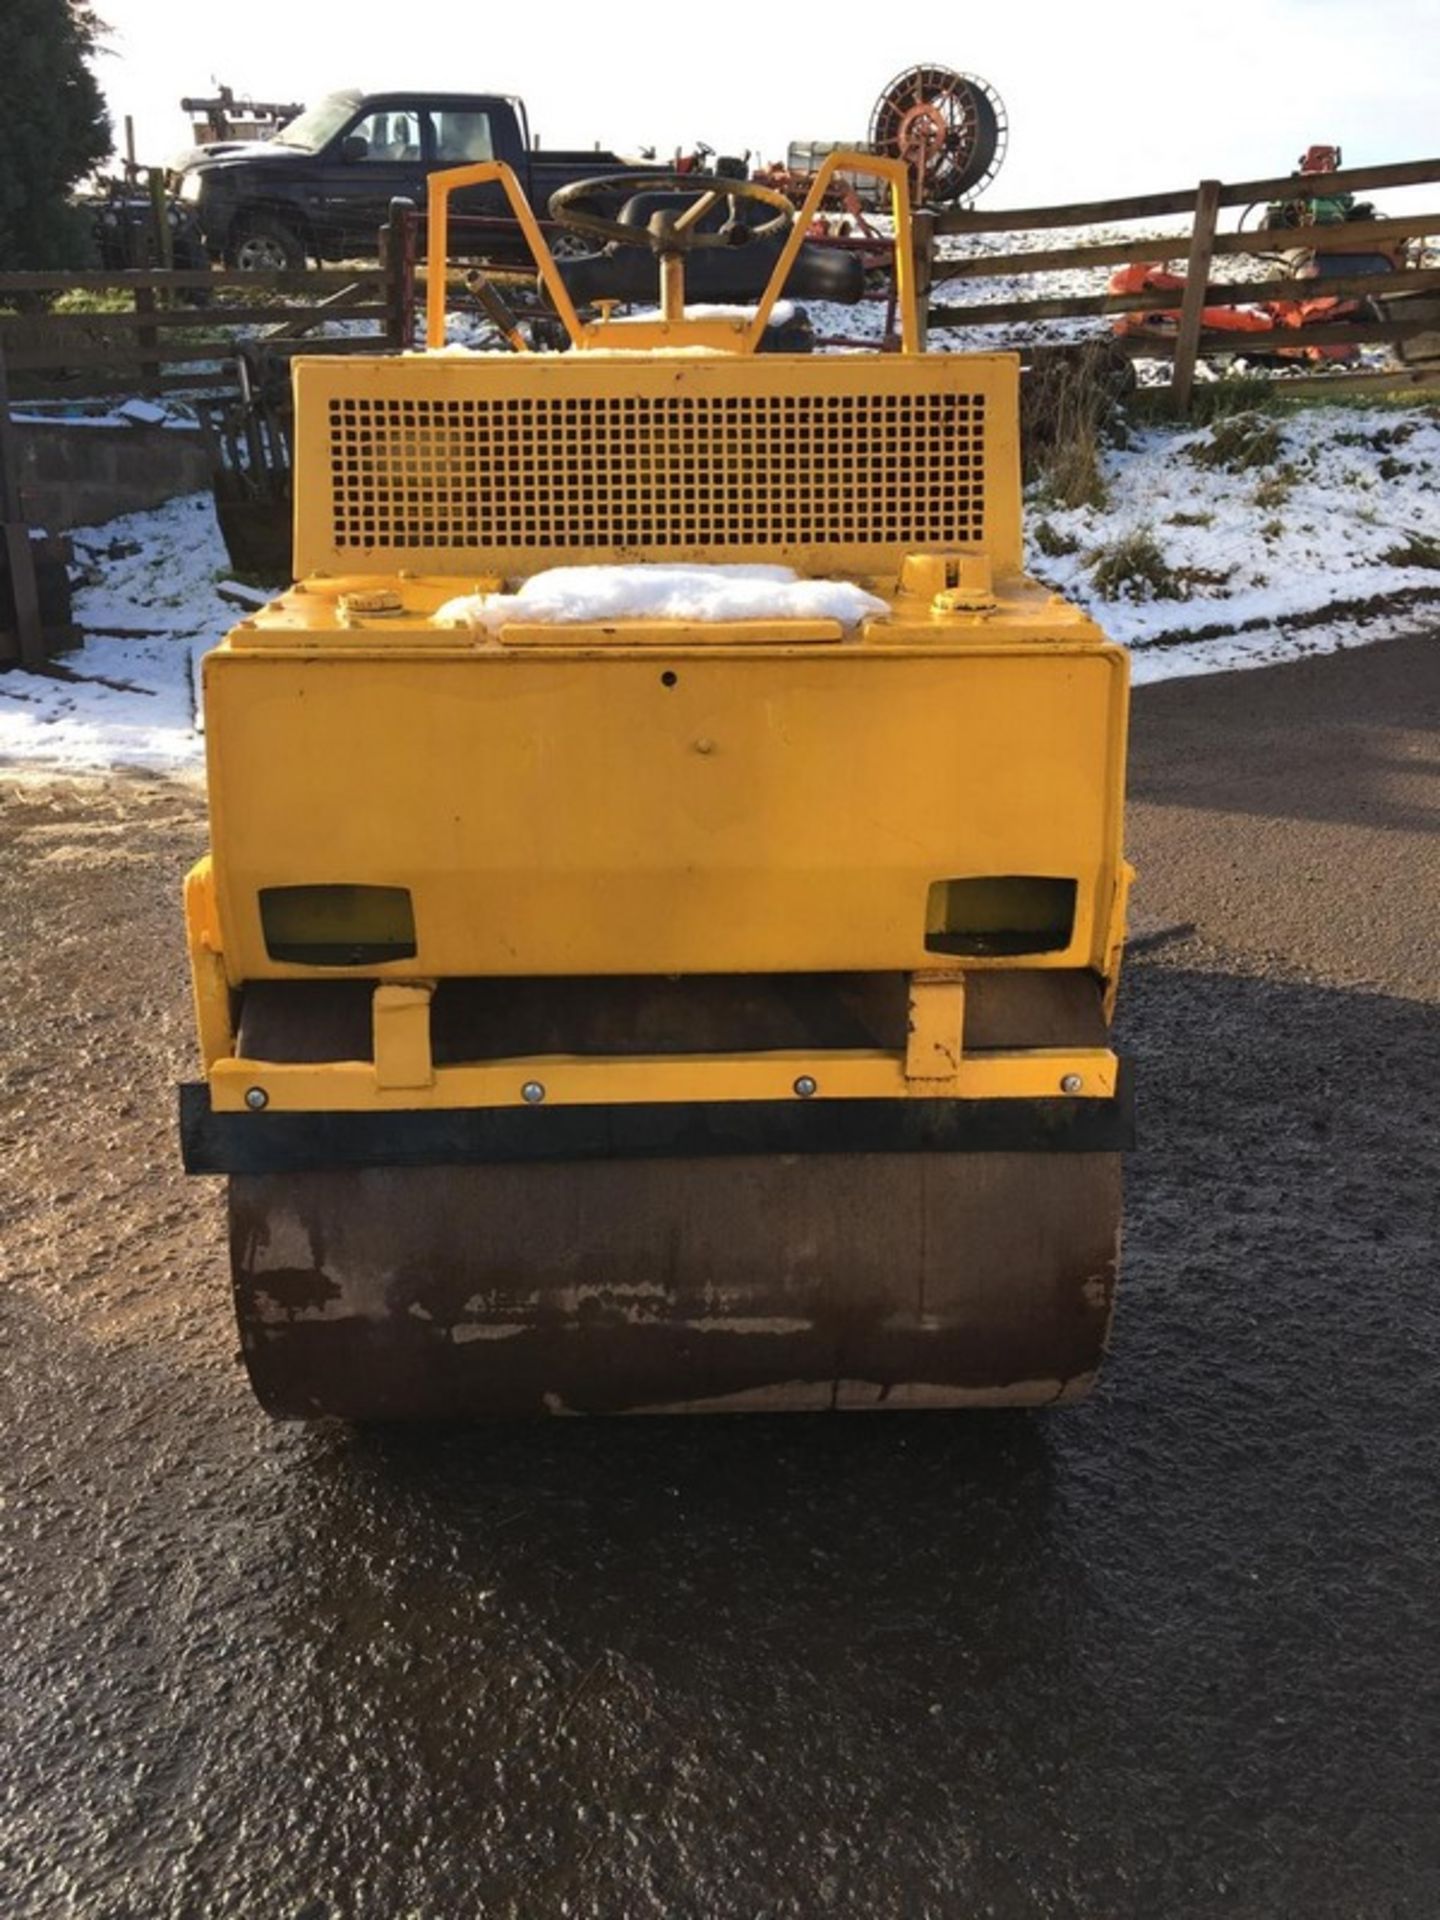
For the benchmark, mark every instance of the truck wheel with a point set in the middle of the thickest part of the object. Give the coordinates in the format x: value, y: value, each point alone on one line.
x: 564, y: 244
x: 263, y: 244
x: 569, y: 246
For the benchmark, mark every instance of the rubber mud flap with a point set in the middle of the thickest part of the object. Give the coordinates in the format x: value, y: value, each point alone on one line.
x: 776, y: 1282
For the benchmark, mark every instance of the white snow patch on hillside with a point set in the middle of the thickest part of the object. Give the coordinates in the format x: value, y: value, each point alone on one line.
x: 1345, y: 515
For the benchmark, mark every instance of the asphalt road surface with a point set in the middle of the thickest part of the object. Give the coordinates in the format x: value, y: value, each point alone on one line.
x: 1174, y: 1653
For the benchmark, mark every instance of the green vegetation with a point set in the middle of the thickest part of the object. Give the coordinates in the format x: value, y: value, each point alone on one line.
x: 1051, y: 541
x: 99, y: 300
x: 1237, y: 443
x: 1419, y: 550
x: 1275, y: 489
x: 1070, y: 409
x: 1236, y: 393
x: 1134, y: 568
x: 1210, y: 400
x: 53, y: 130
x: 1359, y: 400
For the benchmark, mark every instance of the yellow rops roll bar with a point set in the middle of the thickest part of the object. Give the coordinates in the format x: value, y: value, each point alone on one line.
x: 734, y: 336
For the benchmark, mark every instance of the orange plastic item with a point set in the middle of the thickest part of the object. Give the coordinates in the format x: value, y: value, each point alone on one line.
x: 1140, y: 278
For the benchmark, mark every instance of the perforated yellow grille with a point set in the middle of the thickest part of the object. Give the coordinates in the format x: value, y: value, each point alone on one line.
x: 664, y: 460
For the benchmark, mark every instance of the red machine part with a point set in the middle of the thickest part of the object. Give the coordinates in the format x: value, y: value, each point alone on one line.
x: 1269, y: 316
x: 948, y: 127
x: 1319, y: 159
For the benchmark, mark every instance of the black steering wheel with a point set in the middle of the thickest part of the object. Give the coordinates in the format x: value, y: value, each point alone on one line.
x: 670, y: 231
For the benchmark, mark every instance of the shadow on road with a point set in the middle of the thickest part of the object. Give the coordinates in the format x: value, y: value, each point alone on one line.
x: 1350, y: 739
x: 1171, y: 1652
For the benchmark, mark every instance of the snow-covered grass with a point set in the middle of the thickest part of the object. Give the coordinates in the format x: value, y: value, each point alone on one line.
x: 1200, y: 562
x: 1213, y: 564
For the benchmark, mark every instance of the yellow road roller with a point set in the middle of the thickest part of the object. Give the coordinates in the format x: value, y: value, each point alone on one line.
x: 666, y: 890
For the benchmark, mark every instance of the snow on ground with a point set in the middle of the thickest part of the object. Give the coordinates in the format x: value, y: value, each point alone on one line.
x: 123, y: 415
x: 1200, y: 567
x: 146, y: 599
x: 1332, y: 540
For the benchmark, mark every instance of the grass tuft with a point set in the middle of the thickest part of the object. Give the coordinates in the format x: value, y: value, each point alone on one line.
x: 1275, y: 489
x: 1210, y: 401
x: 1052, y: 542
x: 1069, y: 411
x: 1134, y: 568
x: 1237, y: 393
x: 1238, y: 443
x: 1419, y: 550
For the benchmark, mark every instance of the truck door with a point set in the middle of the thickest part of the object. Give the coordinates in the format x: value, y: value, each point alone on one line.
x: 460, y: 135
x: 379, y: 157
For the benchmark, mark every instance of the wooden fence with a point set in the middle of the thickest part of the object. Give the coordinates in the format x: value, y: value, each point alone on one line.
x: 1199, y: 248
x: 162, y: 342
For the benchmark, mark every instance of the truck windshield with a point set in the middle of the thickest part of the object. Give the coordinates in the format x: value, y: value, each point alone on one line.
x: 318, y: 123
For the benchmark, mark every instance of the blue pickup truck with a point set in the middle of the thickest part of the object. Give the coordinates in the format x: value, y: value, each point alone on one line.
x: 321, y: 187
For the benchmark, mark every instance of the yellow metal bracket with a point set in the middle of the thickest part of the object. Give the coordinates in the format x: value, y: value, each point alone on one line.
x: 722, y: 336
x: 486, y: 173
x: 400, y: 1020
x: 355, y: 1086
x: 896, y: 172
x: 1115, y: 933
x: 951, y: 582
x: 211, y: 988
x: 936, y: 1025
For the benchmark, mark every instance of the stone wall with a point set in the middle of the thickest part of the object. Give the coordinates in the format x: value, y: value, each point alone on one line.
x: 78, y: 475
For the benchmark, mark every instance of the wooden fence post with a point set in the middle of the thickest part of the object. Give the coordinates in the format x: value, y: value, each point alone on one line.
x: 397, y: 269
x: 148, y: 337
x: 29, y: 634
x: 160, y: 220
x: 923, y: 227
x: 1197, y: 278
